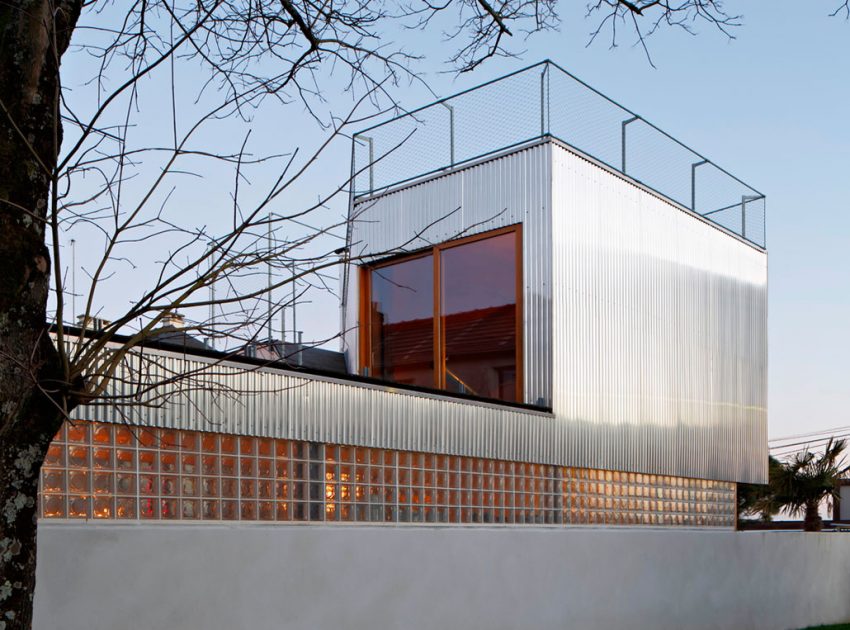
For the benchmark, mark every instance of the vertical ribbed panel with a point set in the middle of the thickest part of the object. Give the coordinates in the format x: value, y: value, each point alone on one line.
x: 249, y: 400
x: 494, y: 193
x: 660, y: 346
x: 644, y: 329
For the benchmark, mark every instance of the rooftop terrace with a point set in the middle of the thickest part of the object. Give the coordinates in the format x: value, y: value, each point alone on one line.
x: 541, y: 101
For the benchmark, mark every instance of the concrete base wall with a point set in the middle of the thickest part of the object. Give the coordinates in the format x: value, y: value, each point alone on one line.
x: 254, y: 577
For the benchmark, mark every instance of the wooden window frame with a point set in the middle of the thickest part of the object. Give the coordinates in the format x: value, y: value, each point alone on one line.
x: 364, y: 310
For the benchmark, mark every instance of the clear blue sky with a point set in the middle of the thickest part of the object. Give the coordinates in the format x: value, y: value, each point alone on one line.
x: 771, y: 106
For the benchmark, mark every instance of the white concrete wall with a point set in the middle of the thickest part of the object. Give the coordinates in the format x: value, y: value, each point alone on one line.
x: 138, y: 577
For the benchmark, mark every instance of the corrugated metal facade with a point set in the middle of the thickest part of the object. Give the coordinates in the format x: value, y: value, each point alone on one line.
x: 497, y: 192
x: 657, y: 360
x: 660, y: 346
x: 655, y: 363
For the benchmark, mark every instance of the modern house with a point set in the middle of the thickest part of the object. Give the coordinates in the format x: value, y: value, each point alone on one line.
x: 553, y: 312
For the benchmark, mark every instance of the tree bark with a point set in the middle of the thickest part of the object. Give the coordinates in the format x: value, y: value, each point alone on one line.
x: 33, y: 383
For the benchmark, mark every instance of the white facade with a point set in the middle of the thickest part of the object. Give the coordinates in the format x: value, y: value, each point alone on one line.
x: 218, y: 577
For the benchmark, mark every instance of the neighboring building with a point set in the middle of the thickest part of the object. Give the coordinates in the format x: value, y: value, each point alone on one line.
x: 561, y: 320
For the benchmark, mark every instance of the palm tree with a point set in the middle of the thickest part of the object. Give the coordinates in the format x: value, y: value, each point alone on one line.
x: 802, y: 482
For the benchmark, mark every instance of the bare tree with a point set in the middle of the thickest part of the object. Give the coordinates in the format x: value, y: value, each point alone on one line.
x: 82, y: 161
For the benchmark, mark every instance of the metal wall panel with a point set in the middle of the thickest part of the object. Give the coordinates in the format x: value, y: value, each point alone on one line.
x: 660, y: 346
x: 497, y: 192
x: 656, y: 359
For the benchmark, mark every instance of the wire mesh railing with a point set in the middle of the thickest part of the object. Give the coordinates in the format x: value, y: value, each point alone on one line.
x: 545, y: 100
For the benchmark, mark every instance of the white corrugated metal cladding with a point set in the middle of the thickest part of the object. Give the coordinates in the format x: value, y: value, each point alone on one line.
x: 644, y: 331
x: 644, y: 324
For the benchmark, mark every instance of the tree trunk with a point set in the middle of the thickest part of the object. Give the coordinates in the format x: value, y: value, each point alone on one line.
x: 812, y: 521
x: 33, y: 384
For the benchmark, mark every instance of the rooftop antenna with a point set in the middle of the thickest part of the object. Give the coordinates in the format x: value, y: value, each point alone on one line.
x: 211, y: 338
x: 269, y: 273
x: 294, y: 323
x: 73, y: 281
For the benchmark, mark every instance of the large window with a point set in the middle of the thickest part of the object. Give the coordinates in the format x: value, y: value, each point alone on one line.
x: 449, y: 317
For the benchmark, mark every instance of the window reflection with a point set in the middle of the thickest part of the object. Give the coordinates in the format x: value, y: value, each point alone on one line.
x: 477, y: 303
x: 402, y: 326
x: 478, y: 309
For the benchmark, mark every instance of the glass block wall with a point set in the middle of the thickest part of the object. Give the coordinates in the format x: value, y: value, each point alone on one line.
x: 107, y: 471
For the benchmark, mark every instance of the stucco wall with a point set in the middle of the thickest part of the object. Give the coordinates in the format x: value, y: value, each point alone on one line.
x: 117, y: 577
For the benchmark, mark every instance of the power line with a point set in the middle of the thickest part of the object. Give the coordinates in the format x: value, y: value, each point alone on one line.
x: 814, y: 433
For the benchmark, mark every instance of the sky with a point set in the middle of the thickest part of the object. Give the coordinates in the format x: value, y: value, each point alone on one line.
x: 770, y: 106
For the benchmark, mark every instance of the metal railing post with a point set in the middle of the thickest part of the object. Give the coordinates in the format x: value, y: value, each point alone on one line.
x: 744, y: 200
x: 451, y: 131
x: 544, y: 77
x: 626, y: 123
x: 694, y: 167
x: 371, y: 165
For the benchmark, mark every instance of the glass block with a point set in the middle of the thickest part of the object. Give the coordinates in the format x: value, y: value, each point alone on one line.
x: 281, y: 489
x: 229, y: 487
x: 189, y: 486
x: 78, y: 432
x: 209, y: 443
x: 230, y: 510
x: 52, y: 480
x: 168, y: 485
x: 210, y: 486
x: 125, y: 483
x: 148, y: 484
x: 211, y: 510
x: 78, y: 506
x: 248, y: 466
x: 188, y: 441
x: 169, y: 509
x: 248, y: 488
x: 281, y: 448
x: 228, y: 466
x: 78, y: 482
x: 266, y: 511
x: 265, y: 490
x: 265, y: 468
x: 189, y: 464
x: 60, y: 434
x: 209, y: 464
x: 248, y: 510
x: 148, y: 508
x: 228, y: 444
x: 124, y: 436
x: 52, y: 506
x: 102, y: 458
x: 314, y: 450
x: 55, y: 455
x: 102, y: 434
x: 190, y: 509
x: 247, y: 445
x: 282, y: 512
x: 125, y: 507
x: 316, y: 471
x: 147, y: 437
x: 102, y: 507
x: 299, y: 450
x: 169, y: 440
x: 281, y: 468
x: 78, y: 456
x: 148, y: 461
x: 125, y: 459
x: 168, y: 462
x: 102, y: 483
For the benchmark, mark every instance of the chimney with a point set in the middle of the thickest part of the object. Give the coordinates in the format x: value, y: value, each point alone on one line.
x: 172, y: 319
x: 92, y: 323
